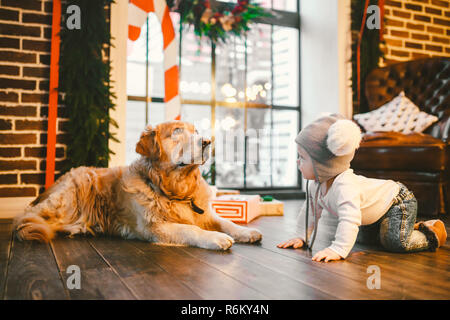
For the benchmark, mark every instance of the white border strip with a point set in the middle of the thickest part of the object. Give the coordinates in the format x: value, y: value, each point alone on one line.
x: 119, y: 31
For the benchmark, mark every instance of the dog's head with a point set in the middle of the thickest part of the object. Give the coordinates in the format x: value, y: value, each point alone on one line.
x: 174, y: 143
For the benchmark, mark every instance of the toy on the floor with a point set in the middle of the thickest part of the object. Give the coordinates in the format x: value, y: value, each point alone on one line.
x: 221, y: 192
x: 241, y: 208
x: 237, y: 208
x: 271, y: 208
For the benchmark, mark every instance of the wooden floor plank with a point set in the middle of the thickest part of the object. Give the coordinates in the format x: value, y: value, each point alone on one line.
x: 5, y: 246
x: 277, y: 285
x: 206, y: 281
x: 340, y: 269
x: 98, y: 280
x: 145, y: 278
x: 357, y: 263
x: 395, y: 287
x: 308, y: 273
x: 413, y: 267
x: 284, y: 229
x: 432, y: 262
x: 114, y: 268
x: 395, y: 274
x: 33, y: 273
x: 76, y: 250
x: 273, y: 283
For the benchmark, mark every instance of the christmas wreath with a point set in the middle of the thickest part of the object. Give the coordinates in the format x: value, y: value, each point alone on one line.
x: 217, y: 22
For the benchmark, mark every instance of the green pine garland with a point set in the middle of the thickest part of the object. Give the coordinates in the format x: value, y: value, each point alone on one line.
x: 370, y: 53
x: 84, y: 80
x: 218, y: 21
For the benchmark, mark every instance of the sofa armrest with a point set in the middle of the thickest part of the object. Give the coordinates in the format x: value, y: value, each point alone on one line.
x: 391, y: 137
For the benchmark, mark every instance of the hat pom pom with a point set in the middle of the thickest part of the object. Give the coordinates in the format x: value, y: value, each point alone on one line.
x: 344, y: 137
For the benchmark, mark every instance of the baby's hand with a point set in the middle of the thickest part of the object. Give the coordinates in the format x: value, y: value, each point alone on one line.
x: 326, y: 254
x: 294, y: 243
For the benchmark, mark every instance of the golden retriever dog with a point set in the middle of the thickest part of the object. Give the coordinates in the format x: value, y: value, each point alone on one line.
x: 161, y: 197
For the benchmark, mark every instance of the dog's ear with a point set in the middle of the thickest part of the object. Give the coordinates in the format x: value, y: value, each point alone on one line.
x: 148, y: 144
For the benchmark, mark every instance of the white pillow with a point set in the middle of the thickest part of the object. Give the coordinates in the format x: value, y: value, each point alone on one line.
x: 400, y: 115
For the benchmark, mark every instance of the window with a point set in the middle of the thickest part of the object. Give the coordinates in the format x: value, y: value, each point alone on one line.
x: 248, y: 85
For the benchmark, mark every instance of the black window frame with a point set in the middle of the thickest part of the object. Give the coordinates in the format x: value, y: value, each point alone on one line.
x: 288, y: 19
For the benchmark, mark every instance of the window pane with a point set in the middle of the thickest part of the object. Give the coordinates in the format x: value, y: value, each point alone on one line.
x: 259, y: 155
x: 259, y: 64
x: 199, y: 116
x: 285, y: 67
x: 265, y: 3
x: 229, y: 146
x: 136, y: 65
x: 270, y: 77
x: 230, y: 70
x: 136, y: 61
x: 285, y: 5
x: 156, y: 113
x: 195, y: 82
x: 136, y: 124
x: 155, y: 57
x: 262, y: 3
x: 284, y: 150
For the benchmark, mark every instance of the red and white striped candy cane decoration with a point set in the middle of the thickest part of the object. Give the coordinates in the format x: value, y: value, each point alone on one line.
x: 137, y: 14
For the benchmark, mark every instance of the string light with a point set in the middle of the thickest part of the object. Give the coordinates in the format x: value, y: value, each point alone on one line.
x: 231, y: 100
x: 228, y: 90
x: 228, y: 123
x: 195, y: 87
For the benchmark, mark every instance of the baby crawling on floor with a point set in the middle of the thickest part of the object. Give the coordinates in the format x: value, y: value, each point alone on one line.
x: 326, y: 148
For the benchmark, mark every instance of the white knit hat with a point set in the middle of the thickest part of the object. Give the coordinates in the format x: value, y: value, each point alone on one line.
x: 331, y: 142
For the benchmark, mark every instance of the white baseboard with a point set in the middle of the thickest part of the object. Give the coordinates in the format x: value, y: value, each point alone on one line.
x: 10, y: 207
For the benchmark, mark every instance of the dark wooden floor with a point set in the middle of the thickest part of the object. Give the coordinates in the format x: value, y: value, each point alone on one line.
x: 121, y: 269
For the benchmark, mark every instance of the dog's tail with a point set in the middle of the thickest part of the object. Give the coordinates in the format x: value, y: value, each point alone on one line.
x: 37, y: 223
x: 32, y: 226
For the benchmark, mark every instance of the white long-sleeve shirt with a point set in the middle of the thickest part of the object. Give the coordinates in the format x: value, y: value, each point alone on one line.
x: 356, y: 200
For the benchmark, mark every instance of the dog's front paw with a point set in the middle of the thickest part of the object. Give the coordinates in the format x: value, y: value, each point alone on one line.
x: 220, y: 241
x: 248, y: 235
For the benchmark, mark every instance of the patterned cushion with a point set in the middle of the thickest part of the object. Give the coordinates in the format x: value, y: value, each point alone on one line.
x: 399, y: 115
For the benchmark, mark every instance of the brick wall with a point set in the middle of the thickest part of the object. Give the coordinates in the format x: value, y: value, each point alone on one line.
x: 25, y: 32
x: 416, y: 29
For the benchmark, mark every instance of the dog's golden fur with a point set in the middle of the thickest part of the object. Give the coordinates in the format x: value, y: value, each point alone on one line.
x: 161, y: 197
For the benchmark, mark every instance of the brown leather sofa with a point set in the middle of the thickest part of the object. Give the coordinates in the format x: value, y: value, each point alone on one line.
x: 420, y: 161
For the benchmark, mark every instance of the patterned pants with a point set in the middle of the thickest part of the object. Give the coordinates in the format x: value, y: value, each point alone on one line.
x: 395, y: 230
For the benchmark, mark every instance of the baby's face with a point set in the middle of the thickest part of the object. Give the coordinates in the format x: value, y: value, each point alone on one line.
x: 305, y: 164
